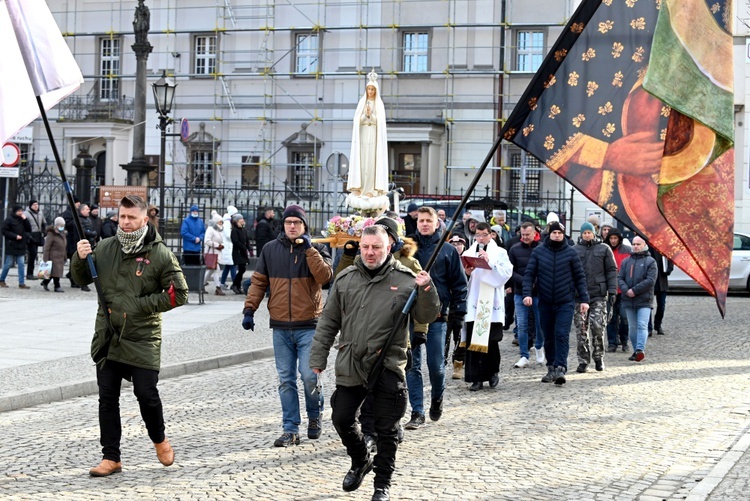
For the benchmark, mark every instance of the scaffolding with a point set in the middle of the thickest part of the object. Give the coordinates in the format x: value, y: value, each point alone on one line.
x: 256, y: 96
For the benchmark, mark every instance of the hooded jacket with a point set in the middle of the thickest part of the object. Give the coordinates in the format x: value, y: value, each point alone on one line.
x: 364, y: 310
x: 638, y: 272
x: 191, y: 228
x: 599, y: 266
x: 135, y: 300
x: 295, y: 277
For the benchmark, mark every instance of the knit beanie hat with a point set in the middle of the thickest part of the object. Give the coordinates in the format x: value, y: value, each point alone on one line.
x: 412, y: 207
x: 391, y: 227
x: 587, y: 227
x: 237, y: 217
x: 498, y: 230
x: 295, y: 211
x: 33, y: 202
x: 194, y: 208
x: 17, y: 208
x: 111, y: 213
x: 552, y: 217
x: 556, y: 226
x: 59, y: 222
x: 231, y: 210
x: 215, y: 219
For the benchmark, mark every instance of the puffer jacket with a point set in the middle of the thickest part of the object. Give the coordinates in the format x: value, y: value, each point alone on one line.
x: 136, y: 301
x: 295, y: 277
x: 191, y: 228
x: 364, y: 310
x: 447, y: 273
x: 556, y: 269
x: 599, y: 266
x: 638, y: 272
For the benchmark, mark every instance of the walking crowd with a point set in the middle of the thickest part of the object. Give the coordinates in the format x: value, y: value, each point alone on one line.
x: 381, y: 309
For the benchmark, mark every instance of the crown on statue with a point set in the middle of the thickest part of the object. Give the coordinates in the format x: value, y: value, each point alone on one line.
x: 372, y: 77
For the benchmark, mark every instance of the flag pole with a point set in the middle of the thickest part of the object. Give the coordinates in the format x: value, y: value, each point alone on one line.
x: 377, y: 369
x: 76, y: 219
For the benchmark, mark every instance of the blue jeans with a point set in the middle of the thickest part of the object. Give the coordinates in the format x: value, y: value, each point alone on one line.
x: 20, y: 263
x: 435, y: 366
x: 556, y: 320
x: 638, y: 326
x: 291, y: 348
x: 228, y: 268
x: 522, y: 321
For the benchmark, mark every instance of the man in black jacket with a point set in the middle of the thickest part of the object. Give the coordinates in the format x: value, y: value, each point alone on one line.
x: 109, y: 226
x: 17, y: 231
x: 519, y: 256
x: 265, y: 231
x: 556, y: 270
x: 601, y: 279
x: 450, y: 279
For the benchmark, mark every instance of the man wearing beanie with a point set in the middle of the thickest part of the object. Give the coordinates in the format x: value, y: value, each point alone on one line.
x: 192, y: 230
x: 109, y: 226
x: 410, y: 221
x: 617, y: 329
x: 38, y: 228
x: 601, y: 279
x: 555, y: 268
x: 16, y: 230
x: 294, y: 270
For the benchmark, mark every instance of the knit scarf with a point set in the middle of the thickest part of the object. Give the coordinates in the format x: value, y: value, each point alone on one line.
x: 132, y: 242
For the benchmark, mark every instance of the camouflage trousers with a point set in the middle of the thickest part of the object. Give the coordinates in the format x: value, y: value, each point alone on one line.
x: 593, y: 326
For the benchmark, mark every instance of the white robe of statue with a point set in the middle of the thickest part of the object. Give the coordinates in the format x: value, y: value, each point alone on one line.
x: 368, y: 164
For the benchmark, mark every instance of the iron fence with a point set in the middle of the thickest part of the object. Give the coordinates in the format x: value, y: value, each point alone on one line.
x: 46, y: 187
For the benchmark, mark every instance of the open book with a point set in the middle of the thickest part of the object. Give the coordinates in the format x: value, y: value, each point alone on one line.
x: 475, y: 262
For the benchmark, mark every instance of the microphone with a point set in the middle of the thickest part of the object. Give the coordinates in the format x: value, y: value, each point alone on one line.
x: 481, y: 247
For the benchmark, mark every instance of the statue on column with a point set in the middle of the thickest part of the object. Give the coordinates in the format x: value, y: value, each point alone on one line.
x: 368, y: 164
x: 141, y: 23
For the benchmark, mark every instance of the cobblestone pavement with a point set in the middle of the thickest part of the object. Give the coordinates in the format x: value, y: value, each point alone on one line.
x: 661, y: 429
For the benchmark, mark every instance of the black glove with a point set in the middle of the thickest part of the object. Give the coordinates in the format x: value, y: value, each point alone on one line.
x: 408, y: 359
x: 248, y: 323
x: 306, y: 241
x: 351, y: 248
x: 456, y: 321
x: 420, y: 338
x: 611, y: 299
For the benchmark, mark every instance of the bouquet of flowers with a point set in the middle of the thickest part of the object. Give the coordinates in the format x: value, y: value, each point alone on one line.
x: 341, y: 229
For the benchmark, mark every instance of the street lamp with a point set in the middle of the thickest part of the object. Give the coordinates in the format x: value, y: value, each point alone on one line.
x: 163, y: 98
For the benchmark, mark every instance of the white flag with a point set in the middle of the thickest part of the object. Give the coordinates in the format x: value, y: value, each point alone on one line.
x: 35, y: 61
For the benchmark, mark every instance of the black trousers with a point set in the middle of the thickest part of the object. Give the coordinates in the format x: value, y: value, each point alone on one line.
x: 480, y: 367
x: 33, y: 250
x: 109, y: 380
x: 388, y: 406
x: 237, y: 282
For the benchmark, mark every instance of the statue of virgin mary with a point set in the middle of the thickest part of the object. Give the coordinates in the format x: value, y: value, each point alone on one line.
x: 368, y: 167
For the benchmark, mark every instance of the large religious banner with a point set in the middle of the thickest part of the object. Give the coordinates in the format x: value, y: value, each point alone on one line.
x: 634, y: 107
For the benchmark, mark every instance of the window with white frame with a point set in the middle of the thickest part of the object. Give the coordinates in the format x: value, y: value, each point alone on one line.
x: 302, y: 172
x: 415, y: 51
x: 202, y: 169
x: 529, y: 50
x: 109, y: 69
x: 205, y: 54
x: 307, y: 53
x: 533, y: 178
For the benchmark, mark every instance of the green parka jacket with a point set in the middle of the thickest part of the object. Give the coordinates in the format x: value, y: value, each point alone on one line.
x: 364, y: 309
x: 136, y: 289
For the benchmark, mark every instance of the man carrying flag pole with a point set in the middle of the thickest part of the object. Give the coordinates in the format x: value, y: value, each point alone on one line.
x: 36, y: 72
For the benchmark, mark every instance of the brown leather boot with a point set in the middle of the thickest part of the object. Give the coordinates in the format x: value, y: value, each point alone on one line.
x: 165, y: 453
x: 106, y: 467
x: 220, y: 292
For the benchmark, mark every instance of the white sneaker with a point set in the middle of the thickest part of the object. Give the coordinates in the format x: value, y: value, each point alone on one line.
x: 540, y: 359
x: 524, y: 362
